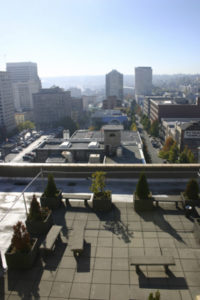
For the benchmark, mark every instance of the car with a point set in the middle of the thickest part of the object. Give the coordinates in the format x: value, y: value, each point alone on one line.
x: 27, y: 158
x: 15, y: 150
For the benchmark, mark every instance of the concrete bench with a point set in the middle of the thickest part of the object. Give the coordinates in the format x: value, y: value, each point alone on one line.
x: 77, y: 242
x: 80, y: 197
x: 171, y: 199
x: 52, y: 236
x: 152, y: 261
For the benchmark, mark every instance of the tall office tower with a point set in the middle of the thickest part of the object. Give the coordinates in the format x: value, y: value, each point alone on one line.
x: 25, y: 82
x: 143, y: 81
x: 7, y: 110
x: 114, y: 84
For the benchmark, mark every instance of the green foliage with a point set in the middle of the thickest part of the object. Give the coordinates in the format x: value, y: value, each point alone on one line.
x: 51, y: 189
x: 142, y: 188
x: 68, y: 123
x: 26, y: 125
x: 173, y: 153
x: 98, y: 182
x: 186, y: 156
x: 37, y: 212
x: 154, y: 129
x: 146, y: 123
x: 157, y: 296
x: 192, y: 190
x: 21, y: 239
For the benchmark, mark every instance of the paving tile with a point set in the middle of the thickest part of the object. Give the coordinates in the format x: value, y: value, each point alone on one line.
x: 170, y: 294
x: 101, y: 276
x: 185, y: 295
x: 169, y: 243
x: 84, y: 277
x: 80, y: 291
x: 105, y: 233
x: 190, y: 265
x: 104, y: 252
x: 68, y: 262
x: 120, y: 264
x: 102, y: 263
x: 120, y: 292
x: 120, y: 252
x: 137, y: 243
x: 186, y: 253
x: 170, y: 252
x: 136, y: 252
x: 43, y: 288
x: 119, y: 277
x: 65, y: 275
x: 48, y: 275
x: 104, y: 242
x: 100, y: 291
x: 60, y: 289
x: 152, y: 251
x: 193, y: 278
x: 91, y: 233
x: 151, y: 243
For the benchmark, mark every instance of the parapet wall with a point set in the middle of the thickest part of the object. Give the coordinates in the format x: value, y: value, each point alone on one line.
x: 171, y: 171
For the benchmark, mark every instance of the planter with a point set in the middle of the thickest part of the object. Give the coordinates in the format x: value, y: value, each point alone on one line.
x: 51, y: 202
x: 143, y: 204
x: 102, y: 202
x: 187, y: 201
x: 196, y: 229
x: 36, y: 228
x: 20, y: 260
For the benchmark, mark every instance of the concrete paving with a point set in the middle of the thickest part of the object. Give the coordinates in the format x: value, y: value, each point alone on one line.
x: 103, y: 270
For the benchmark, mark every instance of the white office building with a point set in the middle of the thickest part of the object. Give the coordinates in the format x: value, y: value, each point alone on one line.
x: 25, y: 82
x: 114, y: 84
x: 143, y: 81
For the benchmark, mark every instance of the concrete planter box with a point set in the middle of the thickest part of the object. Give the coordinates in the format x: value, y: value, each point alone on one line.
x: 36, y: 228
x: 143, y: 204
x: 186, y: 200
x: 196, y: 229
x: 51, y: 202
x: 101, y: 202
x: 20, y: 260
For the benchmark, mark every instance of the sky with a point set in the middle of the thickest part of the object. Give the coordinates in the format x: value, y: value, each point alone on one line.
x: 92, y: 37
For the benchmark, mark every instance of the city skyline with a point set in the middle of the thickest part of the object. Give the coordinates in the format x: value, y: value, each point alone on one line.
x: 72, y: 38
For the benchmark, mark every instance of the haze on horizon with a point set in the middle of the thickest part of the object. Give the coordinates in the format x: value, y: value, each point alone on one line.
x: 92, y: 37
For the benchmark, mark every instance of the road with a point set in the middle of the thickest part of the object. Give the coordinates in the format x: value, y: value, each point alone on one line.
x: 19, y: 157
x: 153, y: 152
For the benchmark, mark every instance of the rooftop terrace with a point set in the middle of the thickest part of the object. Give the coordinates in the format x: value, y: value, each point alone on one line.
x: 103, y: 271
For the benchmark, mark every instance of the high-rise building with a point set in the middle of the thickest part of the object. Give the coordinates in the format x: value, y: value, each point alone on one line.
x: 25, y: 82
x: 7, y: 110
x: 143, y: 81
x: 54, y: 104
x: 114, y: 84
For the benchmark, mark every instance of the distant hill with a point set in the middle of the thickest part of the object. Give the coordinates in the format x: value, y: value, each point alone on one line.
x: 97, y: 82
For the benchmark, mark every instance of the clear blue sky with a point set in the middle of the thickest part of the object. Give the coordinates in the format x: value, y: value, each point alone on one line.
x: 86, y: 37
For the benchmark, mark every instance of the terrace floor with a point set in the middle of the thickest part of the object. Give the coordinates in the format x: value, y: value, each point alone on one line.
x: 103, y: 271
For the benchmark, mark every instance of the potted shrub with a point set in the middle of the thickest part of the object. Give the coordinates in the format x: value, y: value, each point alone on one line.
x: 39, y: 219
x: 191, y: 194
x: 52, y: 197
x: 101, y: 198
x: 142, y: 197
x: 23, y: 250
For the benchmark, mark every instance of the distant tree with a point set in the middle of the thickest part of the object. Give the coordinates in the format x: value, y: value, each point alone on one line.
x: 168, y: 143
x: 173, y: 153
x: 154, y: 129
x: 68, y: 123
x: 183, y: 158
x: 133, y: 127
x: 26, y: 125
x: 186, y: 156
x: 191, y: 157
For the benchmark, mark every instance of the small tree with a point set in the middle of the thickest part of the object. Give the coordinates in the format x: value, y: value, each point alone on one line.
x: 37, y: 212
x: 98, y: 182
x: 173, y: 153
x: 51, y: 189
x: 157, y: 296
x: 20, y: 239
x: 192, y: 190
x: 142, y: 188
